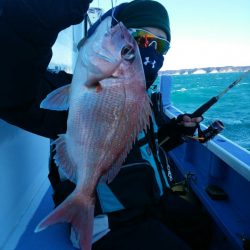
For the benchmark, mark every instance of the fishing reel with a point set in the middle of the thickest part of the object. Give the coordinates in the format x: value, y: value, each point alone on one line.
x: 205, y: 135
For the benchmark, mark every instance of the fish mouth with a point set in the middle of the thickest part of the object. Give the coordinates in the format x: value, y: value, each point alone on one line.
x: 128, y: 53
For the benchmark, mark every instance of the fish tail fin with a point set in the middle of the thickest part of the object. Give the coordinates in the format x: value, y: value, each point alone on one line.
x: 78, y: 213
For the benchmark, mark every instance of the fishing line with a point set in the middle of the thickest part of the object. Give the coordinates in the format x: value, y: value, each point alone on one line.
x: 113, y: 11
x: 113, y: 15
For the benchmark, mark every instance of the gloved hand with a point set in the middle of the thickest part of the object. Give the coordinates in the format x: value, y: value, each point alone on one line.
x: 173, y: 133
x: 187, y: 124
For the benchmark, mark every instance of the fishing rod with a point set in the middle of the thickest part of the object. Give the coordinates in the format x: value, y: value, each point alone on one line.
x: 203, y: 108
x: 217, y: 126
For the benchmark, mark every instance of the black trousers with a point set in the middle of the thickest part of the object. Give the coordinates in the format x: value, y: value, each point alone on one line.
x: 147, y: 234
x: 174, y: 223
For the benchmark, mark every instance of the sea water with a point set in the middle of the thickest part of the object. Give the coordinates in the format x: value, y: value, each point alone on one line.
x: 233, y: 109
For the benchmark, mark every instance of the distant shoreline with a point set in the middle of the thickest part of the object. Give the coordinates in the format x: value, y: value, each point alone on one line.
x: 207, y: 70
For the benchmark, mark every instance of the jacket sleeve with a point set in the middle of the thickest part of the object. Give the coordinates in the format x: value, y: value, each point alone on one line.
x: 170, y: 133
x: 28, y: 29
x: 31, y: 117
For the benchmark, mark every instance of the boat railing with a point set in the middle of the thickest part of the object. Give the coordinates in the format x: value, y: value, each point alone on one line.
x: 231, y: 153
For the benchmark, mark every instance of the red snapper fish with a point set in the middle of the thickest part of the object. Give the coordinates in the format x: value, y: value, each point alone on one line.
x: 108, y: 106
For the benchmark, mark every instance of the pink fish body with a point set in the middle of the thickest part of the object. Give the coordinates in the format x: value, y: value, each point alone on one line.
x: 108, y: 107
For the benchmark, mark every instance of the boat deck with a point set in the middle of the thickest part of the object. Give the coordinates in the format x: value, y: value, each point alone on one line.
x: 55, y: 237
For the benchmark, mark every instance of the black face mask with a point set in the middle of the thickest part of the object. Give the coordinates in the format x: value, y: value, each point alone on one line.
x: 152, y: 62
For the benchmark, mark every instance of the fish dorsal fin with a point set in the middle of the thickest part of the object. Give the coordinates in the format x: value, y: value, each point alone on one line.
x: 63, y: 160
x: 142, y: 124
x: 114, y: 170
x: 57, y: 99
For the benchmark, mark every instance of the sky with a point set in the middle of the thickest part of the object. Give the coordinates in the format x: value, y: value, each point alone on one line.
x: 205, y: 33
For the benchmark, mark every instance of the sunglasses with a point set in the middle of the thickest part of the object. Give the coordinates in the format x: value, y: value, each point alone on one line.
x: 145, y: 39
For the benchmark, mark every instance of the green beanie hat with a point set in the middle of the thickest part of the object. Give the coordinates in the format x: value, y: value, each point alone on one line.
x: 145, y: 13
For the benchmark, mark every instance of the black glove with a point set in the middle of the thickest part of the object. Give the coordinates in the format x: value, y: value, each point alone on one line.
x: 173, y: 133
x: 188, y: 125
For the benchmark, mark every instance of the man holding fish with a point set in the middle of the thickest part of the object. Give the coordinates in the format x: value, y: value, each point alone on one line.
x: 100, y: 120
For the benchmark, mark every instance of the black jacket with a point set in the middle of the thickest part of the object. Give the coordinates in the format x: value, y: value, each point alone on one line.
x: 28, y: 29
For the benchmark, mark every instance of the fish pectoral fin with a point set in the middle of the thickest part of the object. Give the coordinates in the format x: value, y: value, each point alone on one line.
x: 57, y: 99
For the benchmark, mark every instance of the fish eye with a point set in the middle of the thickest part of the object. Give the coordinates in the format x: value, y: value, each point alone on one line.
x: 128, y: 53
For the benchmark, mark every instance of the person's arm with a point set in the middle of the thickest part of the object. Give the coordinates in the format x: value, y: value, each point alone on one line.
x: 31, y: 117
x: 28, y: 29
x: 172, y: 133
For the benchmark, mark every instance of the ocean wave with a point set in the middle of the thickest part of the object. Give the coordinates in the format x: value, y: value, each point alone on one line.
x: 232, y: 122
x: 243, y: 83
x: 201, y: 88
x: 190, y: 92
x: 181, y: 90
